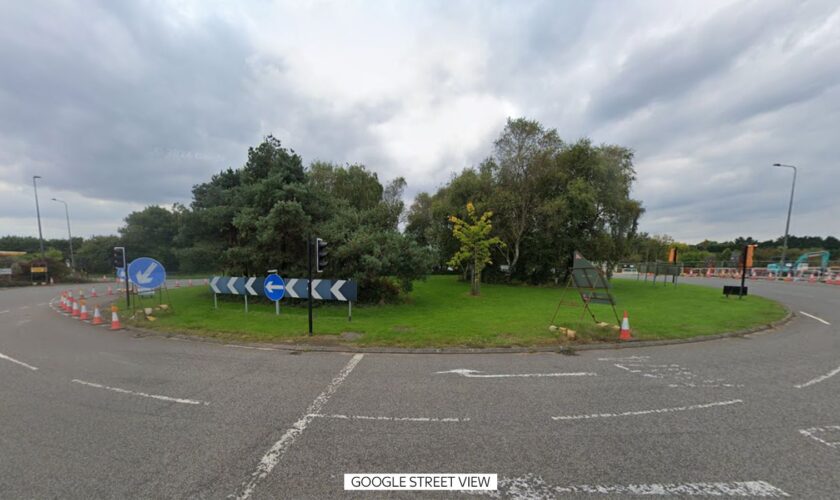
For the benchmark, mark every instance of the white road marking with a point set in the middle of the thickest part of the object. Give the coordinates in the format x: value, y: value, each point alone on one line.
x: 816, y: 318
x: 4, y: 312
x: 649, y: 412
x: 23, y: 307
x: 811, y: 433
x: 142, y: 394
x: 819, y: 379
x: 43, y: 303
x: 533, y: 487
x: 477, y: 374
x: 390, y: 419
x: 627, y: 358
x: 275, y: 453
x: 21, y: 363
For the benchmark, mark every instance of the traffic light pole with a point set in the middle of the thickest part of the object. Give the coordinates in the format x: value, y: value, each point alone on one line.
x: 309, y: 280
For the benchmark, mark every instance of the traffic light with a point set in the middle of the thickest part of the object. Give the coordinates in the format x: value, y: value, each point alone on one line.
x: 320, y: 255
x: 119, y: 257
x: 750, y: 250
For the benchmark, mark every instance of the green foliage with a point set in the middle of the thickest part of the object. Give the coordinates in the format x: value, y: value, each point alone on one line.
x: 94, y: 255
x: 549, y: 197
x: 476, y: 242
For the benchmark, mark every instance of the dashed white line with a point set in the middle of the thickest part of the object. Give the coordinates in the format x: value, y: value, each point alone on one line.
x: 141, y: 394
x: 649, y: 412
x: 275, y: 453
x: 4, y: 311
x: 816, y: 318
x: 391, y: 419
x: 21, y: 363
x: 534, y: 487
x: 477, y: 374
x: 819, y: 379
x: 813, y: 431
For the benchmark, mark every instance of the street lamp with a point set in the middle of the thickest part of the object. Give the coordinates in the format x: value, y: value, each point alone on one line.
x: 790, y: 208
x: 38, y: 213
x: 69, y: 236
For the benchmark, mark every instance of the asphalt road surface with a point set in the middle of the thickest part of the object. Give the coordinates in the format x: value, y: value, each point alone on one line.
x: 90, y: 413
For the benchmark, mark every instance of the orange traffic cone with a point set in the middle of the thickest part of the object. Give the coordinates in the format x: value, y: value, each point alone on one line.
x: 83, y: 315
x: 115, y: 319
x: 97, y: 316
x: 75, y: 312
x: 93, y: 292
x: 625, y: 328
x: 68, y: 306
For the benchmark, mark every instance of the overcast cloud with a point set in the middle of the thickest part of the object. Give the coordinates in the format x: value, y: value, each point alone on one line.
x: 118, y: 105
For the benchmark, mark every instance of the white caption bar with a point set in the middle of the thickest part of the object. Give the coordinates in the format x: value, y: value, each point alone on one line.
x: 421, y: 482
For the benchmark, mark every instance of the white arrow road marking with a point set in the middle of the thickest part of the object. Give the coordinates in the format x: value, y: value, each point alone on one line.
x: 477, y: 374
x: 249, y: 284
x: 336, y: 290
x: 290, y: 288
x: 649, y: 412
x: 213, y: 283
x: 816, y: 318
x: 145, y: 276
x: 819, y: 379
x: 275, y: 453
x: 315, y: 294
x: 143, y: 394
x: 532, y: 486
x: 230, y: 286
x: 13, y: 360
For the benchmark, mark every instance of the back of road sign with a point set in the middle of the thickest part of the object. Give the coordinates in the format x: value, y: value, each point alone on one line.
x: 146, y: 272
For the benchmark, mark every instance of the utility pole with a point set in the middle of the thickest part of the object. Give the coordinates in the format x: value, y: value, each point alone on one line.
x: 309, y: 279
x: 38, y: 214
x: 69, y: 236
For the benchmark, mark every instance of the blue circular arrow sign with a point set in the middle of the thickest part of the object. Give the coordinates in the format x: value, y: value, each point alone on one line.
x: 146, y: 272
x: 274, y: 287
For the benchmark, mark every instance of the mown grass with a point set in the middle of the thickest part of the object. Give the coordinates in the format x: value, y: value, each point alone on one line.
x: 441, y: 313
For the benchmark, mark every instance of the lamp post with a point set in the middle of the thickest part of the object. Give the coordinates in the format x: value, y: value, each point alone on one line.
x: 69, y: 236
x: 790, y: 208
x: 38, y: 214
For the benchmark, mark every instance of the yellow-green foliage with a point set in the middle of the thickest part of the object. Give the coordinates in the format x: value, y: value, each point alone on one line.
x: 475, y: 241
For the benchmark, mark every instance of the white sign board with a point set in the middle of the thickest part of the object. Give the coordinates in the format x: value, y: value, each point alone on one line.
x: 5, y: 271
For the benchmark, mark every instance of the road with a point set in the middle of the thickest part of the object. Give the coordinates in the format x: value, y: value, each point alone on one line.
x: 90, y: 413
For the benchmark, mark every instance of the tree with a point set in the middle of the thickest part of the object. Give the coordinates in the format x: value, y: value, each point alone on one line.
x: 476, y: 242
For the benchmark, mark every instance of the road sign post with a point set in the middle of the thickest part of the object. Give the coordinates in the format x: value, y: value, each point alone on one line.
x: 274, y: 289
x: 119, y: 260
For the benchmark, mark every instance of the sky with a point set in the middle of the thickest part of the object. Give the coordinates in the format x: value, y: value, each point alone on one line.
x: 119, y: 105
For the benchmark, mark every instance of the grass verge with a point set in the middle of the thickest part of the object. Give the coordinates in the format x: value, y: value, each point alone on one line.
x: 441, y: 313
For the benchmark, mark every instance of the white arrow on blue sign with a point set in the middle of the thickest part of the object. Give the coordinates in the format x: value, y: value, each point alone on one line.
x: 274, y: 287
x: 146, y: 272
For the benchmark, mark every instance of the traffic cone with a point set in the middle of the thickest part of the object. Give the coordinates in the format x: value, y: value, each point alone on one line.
x: 110, y: 290
x: 93, y: 292
x: 97, y: 316
x: 83, y: 315
x: 75, y: 313
x: 206, y: 281
x: 625, y: 328
x: 68, y: 305
x: 115, y: 319
x: 177, y: 284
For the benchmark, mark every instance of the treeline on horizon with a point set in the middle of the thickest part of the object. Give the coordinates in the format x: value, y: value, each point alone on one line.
x: 548, y: 197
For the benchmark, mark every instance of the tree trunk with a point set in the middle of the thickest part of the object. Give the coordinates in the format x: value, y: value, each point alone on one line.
x: 475, y: 278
